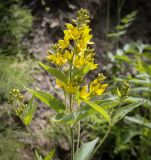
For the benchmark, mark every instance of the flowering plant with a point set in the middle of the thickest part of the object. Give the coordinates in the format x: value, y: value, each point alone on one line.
x: 73, y: 58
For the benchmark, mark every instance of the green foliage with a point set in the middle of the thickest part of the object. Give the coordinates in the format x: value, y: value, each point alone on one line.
x: 85, y: 150
x: 15, y: 22
x: 48, y: 157
x: 134, y: 59
x: 9, y: 146
x: 10, y: 140
x: 140, y: 70
x: 125, y: 22
x: 123, y: 111
x: 99, y: 109
x: 49, y: 100
x: 14, y: 74
x: 24, y: 111
x: 53, y: 71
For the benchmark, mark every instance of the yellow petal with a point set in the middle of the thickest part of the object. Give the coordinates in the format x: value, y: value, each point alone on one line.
x: 70, y: 26
x: 101, y: 89
x: 64, y: 43
x: 84, y: 94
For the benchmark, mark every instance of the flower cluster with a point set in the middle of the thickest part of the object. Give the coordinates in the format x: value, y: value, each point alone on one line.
x: 18, y: 98
x: 73, y: 56
x: 96, y: 88
x: 123, y: 90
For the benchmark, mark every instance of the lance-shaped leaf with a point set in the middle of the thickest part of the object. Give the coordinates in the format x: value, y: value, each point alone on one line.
x: 38, y: 157
x: 144, y: 82
x: 138, y: 120
x: 85, y: 150
x: 99, y: 109
x: 49, y: 100
x: 64, y: 117
x: 123, y: 111
x: 55, y: 72
x: 29, y: 112
x: 83, y: 112
x: 50, y: 155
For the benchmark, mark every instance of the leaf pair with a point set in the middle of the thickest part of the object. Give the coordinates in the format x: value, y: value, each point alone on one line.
x: 85, y: 111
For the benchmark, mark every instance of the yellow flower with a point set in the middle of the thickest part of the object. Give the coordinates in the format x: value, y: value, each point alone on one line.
x: 101, y: 89
x: 69, y: 88
x: 86, y: 37
x: 86, y: 29
x: 79, y: 61
x: 57, y: 58
x: 64, y: 43
x: 81, y: 45
x: 72, y: 32
x: 96, y: 87
x: 93, y: 66
x: 84, y: 94
x: 75, y: 33
x: 68, y: 55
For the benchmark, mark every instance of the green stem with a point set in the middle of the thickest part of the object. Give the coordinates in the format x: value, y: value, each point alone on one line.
x: 72, y: 143
x: 78, y: 140
x: 70, y: 102
x: 101, y: 142
x: 34, y: 139
x: 71, y: 128
x: 71, y: 109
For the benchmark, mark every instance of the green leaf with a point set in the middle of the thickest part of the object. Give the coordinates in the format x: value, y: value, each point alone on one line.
x: 141, y: 89
x: 99, y: 109
x: 116, y: 34
x: 138, y: 120
x: 55, y: 72
x: 29, y: 112
x: 38, y: 157
x: 118, y: 92
x: 49, y: 100
x: 50, y: 155
x: 123, y: 58
x: 133, y: 99
x: 123, y: 111
x: 144, y: 82
x: 85, y: 150
x: 83, y: 112
x: 64, y: 117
